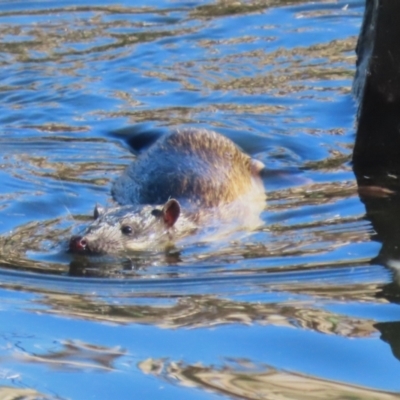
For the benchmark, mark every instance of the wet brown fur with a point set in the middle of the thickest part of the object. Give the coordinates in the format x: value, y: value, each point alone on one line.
x: 197, y: 166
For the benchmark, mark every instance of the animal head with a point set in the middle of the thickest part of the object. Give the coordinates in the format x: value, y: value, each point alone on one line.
x: 132, y: 227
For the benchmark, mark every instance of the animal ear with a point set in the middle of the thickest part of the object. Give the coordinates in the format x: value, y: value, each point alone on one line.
x: 98, y: 210
x: 170, y: 212
x: 256, y: 166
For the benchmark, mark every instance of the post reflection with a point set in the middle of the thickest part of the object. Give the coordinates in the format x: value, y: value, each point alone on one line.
x: 376, y: 157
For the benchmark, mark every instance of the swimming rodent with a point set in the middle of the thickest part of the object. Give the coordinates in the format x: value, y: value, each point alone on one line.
x: 188, y: 180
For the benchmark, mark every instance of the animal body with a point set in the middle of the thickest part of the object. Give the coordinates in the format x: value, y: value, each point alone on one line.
x: 188, y: 180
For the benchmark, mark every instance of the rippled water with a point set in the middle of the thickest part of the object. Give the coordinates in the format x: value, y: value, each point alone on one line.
x: 293, y: 310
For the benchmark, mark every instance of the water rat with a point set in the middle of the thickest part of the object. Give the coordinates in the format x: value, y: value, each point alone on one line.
x: 188, y: 180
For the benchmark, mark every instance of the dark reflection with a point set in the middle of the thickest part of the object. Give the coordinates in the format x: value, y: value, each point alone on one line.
x: 99, y: 266
x: 130, y: 266
x: 242, y: 378
x: 376, y: 156
x: 381, y: 197
x: 391, y: 291
x: 390, y: 333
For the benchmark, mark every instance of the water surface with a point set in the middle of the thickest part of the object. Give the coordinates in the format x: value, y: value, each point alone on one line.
x: 296, y: 309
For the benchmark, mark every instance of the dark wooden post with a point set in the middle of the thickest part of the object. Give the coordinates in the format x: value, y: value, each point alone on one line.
x: 377, y: 87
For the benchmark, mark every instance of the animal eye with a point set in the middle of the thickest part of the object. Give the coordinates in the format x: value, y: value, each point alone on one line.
x: 126, y: 229
x: 156, y: 212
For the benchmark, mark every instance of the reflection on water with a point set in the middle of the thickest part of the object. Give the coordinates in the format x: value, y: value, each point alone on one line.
x: 243, y: 379
x: 10, y: 393
x: 299, y: 308
x: 80, y: 356
x: 206, y: 310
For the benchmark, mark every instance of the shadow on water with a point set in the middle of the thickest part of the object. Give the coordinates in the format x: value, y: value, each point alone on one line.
x: 376, y: 153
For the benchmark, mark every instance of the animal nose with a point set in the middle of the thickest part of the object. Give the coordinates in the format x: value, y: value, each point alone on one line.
x: 78, y: 244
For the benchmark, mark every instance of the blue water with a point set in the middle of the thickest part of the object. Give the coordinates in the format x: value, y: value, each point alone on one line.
x: 291, y: 310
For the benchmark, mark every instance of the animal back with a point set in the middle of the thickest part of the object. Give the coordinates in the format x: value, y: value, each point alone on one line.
x: 195, y: 166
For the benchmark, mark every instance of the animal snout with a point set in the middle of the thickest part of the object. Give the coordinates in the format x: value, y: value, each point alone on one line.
x: 78, y: 244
